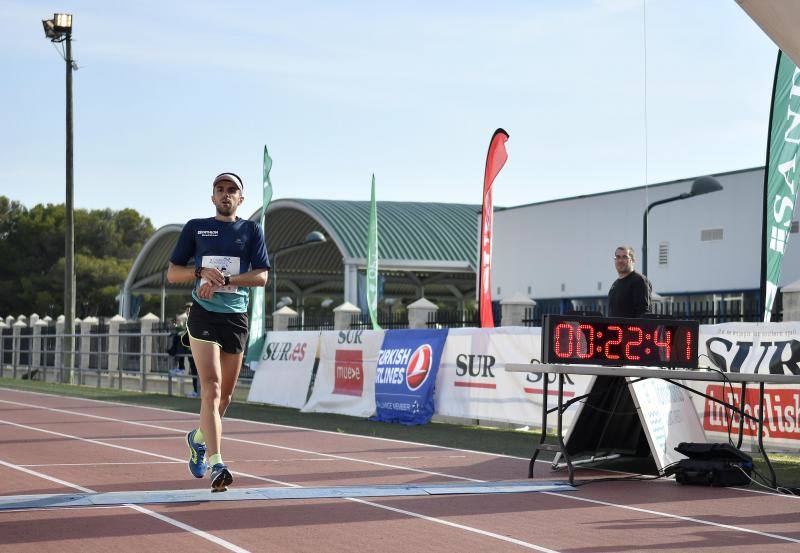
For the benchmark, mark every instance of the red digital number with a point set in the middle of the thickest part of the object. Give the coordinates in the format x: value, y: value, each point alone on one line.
x: 586, y: 341
x: 571, y: 338
x: 615, y: 342
x: 688, y: 345
x: 629, y: 345
x: 666, y: 344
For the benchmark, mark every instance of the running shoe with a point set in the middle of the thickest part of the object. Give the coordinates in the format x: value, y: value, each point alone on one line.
x: 221, y: 478
x: 197, y: 456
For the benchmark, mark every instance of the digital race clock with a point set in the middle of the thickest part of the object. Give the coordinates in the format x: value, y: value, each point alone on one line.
x: 588, y: 340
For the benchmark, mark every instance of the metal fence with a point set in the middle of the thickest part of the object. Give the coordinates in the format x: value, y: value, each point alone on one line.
x: 127, y: 359
x: 130, y: 346
x: 386, y: 320
x: 323, y: 321
x: 462, y: 318
x: 705, y: 312
x: 7, y: 344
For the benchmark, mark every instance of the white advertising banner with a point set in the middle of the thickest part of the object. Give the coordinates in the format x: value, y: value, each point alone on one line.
x: 668, y: 418
x: 283, y: 372
x: 472, y: 381
x: 752, y: 348
x: 345, y: 381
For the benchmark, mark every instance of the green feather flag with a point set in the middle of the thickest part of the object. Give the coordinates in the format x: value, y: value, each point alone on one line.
x: 372, y: 261
x: 257, y: 316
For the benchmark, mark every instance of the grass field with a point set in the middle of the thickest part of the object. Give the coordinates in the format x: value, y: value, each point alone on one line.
x: 507, y: 442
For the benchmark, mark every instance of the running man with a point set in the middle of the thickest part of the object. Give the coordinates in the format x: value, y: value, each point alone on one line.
x: 229, y: 255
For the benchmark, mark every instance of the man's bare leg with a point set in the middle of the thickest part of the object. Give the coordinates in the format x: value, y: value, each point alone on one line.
x: 207, y: 358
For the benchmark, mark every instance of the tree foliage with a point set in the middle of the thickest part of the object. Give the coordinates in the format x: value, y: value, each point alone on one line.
x: 32, y: 249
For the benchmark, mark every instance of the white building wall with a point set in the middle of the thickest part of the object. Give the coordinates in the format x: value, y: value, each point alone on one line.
x: 564, y: 248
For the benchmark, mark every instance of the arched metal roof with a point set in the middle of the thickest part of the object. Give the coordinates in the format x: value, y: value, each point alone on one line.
x: 415, y: 238
x: 439, y: 235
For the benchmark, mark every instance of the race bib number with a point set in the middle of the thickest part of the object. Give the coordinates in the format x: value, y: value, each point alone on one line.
x: 227, y: 265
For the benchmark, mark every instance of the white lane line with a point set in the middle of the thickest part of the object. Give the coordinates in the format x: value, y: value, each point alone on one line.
x: 103, y: 464
x: 227, y: 438
x: 679, y: 517
x: 486, y: 533
x: 32, y: 509
x: 567, y: 496
x: 166, y: 462
x: 191, y: 529
x: 377, y: 505
x: 359, y: 436
x: 115, y: 446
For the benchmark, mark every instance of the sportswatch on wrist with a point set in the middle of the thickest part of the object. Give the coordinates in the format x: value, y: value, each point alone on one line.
x: 227, y: 280
x: 198, y: 272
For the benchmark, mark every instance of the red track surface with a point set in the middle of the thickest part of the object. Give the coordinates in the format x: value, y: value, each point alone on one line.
x: 51, y: 444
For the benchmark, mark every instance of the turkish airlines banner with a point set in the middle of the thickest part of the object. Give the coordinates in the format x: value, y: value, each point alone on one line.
x: 473, y: 383
x: 283, y: 372
x: 345, y: 381
x: 406, y: 375
x: 751, y: 348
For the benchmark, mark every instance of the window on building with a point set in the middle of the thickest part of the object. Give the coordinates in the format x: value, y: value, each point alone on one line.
x: 711, y: 234
x: 663, y: 253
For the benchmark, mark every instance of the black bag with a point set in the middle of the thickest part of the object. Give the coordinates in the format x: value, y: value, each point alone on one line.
x: 711, y: 465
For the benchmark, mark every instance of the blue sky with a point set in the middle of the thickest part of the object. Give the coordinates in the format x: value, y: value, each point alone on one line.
x: 169, y: 94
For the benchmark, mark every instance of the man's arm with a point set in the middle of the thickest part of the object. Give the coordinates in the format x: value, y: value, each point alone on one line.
x: 256, y: 278
x: 641, y: 297
x: 179, y: 273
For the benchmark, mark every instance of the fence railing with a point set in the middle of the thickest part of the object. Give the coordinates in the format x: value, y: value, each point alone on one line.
x: 705, y: 312
x: 462, y: 318
x: 386, y: 320
x: 130, y: 358
x: 311, y: 322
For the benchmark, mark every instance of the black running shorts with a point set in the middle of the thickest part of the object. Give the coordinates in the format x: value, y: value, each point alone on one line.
x: 227, y: 330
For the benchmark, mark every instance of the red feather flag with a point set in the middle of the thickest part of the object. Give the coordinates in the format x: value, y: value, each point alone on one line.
x: 495, y: 160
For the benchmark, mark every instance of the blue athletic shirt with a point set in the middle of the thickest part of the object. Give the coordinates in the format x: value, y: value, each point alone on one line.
x: 233, y: 247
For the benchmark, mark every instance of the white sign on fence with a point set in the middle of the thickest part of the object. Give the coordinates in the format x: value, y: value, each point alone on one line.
x: 345, y: 381
x: 472, y: 381
x: 283, y: 372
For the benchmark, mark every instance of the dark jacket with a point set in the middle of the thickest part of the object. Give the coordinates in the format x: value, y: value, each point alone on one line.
x: 629, y: 296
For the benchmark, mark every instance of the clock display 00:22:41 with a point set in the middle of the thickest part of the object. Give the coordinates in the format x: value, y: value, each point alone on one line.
x: 620, y: 341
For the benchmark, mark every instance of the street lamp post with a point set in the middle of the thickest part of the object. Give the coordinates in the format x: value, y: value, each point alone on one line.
x: 314, y: 238
x: 701, y: 185
x: 59, y: 29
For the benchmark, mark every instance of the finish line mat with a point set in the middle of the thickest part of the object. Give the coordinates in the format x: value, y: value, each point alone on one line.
x: 244, y: 494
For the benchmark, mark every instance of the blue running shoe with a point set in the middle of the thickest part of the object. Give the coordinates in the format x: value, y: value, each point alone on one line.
x: 197, y: 456
x: 221, y: 478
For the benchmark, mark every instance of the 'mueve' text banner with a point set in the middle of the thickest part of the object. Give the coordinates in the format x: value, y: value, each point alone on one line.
x: 473, y: 383
x: 283, y: 372
x: 406, y: 375
x: 345, y: 381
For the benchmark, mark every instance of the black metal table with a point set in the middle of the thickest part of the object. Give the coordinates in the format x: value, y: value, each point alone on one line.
x: 638, y: 373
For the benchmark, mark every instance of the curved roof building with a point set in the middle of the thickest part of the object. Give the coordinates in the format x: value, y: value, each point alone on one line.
x: 424, y: 249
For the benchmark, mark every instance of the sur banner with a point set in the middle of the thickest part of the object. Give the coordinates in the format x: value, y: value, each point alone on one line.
x: 405, y: 377
x: 372, y: 260
x: 780, y: 177
x: 495, y: 159
x: 345, y: 381
x: 472, y: 381
x: 283, y: 372
x: 255, y: 342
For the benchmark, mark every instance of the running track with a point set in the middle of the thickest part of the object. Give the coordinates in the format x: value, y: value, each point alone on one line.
x: 53, y: 444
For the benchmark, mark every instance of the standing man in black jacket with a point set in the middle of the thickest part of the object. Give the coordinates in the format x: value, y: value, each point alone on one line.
x: 629, y: 296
